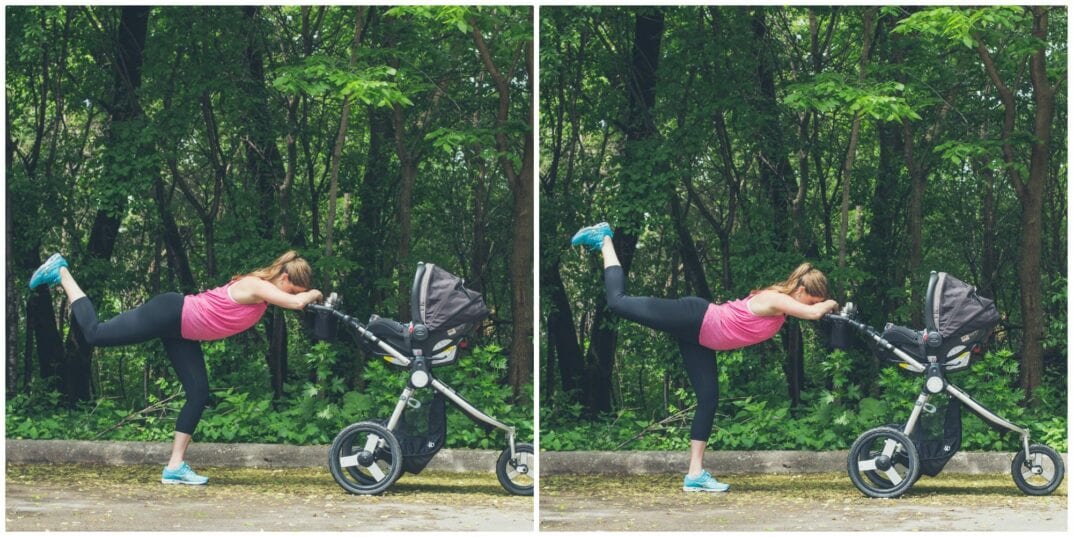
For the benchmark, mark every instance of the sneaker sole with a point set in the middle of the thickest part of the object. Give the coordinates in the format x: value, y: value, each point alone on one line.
x: 698, y: 489
x: 179, y: 482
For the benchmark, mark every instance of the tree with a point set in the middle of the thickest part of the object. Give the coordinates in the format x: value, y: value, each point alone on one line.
x: 520, y: 177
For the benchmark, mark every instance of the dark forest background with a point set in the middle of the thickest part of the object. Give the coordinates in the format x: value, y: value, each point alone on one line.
x: 169, y: 148
x: 726, y: 145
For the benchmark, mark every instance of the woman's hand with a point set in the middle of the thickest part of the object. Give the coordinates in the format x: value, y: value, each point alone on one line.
x: 315, y: 296
x: 774, y: 303
x: 251, y: 290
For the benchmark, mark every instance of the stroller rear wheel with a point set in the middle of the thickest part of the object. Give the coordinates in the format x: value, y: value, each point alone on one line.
x: 1041, y: 473
x: 516, y: 474
x: 365, y: 458
x: 883, y: 463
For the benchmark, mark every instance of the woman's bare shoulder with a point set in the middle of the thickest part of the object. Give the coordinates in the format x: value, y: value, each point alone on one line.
x: 765, y: 302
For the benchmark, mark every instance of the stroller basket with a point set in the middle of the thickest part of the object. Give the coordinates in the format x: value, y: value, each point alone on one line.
x: 422, y: 433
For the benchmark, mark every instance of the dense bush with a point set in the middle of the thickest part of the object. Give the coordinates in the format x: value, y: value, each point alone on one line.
x: 751, y: 417
x: 318, y: 405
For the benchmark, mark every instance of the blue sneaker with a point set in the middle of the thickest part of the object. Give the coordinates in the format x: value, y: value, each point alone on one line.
x: 592, y: 237
x: 704, y: 483
x: 48, y: 272
x: 184, y: 475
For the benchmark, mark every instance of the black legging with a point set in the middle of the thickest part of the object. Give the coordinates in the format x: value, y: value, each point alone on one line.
x: 160, y: 317
x: 681, y: 318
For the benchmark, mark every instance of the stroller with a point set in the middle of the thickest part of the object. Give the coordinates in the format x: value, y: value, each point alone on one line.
x: 886, y: 461
x: 369, y: 456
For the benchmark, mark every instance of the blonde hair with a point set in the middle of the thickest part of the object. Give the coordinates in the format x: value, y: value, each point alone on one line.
x: 805, y: 275
x: 291, y: 264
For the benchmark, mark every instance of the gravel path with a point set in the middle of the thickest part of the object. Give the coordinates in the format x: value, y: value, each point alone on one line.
x: 131, y: 498
x: 809, y: 502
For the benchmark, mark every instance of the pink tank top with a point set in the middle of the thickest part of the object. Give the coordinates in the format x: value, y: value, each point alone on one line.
x: 215, y: 315
x: 731, y: 326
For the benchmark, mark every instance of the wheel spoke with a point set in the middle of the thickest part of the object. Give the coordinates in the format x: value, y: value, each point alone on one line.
x: 349, y: 460
x: 893, y: 475
x: 376, y: 472
x: 866, y: 466
x: 890, y: 447
x: 371, y: 443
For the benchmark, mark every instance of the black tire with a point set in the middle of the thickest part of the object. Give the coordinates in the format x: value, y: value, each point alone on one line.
x: 1042, y: 475
x: 900, y: 462
x: 371, y: 472
x: 517, y: 474
x: 880, y: 476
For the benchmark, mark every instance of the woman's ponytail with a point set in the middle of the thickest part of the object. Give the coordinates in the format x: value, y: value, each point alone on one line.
x: 805, y: 275
x: 291, y: 264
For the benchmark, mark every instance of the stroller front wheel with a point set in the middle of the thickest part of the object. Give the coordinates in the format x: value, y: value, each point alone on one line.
x: 516, y: 474
x: 365, y: 458
x: 883, y: 463
x: 1041, y: 474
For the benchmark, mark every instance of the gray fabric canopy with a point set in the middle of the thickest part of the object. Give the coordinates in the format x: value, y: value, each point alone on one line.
x: 957, y: 309
x: 444, y: 301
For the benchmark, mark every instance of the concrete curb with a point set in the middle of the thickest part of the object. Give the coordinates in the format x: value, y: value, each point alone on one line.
x: 743, y: 462
x: 464, y: 460
x: 207, y: 454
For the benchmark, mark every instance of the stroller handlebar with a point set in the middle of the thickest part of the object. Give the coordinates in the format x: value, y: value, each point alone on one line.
x: 910, y: 363
x: 355, y: 325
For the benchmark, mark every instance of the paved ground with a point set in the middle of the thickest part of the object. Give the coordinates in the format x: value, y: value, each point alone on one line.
x: 794, y: 503
x: 131, y: 498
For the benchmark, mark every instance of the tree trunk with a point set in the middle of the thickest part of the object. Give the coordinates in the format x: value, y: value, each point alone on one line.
x: 126, y: 113
x: 173, y: 242
x: 688, y: 248
x: 521, y: 186
x: 783, y: 191
x: 641, y: 98
x: 371, y: 245
x: 265, y: 164
x: 562, y: 334
x: 854, y: 136
x: 337, y: 152
x: 1030, y: 193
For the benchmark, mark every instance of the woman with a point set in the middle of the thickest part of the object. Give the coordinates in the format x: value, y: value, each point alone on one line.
x: 700, y: 327
x: 181, y: 323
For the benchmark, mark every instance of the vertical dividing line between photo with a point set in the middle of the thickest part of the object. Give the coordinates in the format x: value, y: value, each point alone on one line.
x: 535, y: 125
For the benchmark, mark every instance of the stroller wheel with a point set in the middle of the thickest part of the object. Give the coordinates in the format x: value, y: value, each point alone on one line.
x: 365, y: 458
x: 516, y: 475
x: 1041, y: 473
x: 883, y: 463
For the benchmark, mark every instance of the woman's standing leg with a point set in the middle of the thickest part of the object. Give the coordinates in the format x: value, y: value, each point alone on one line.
x: 189, y: 363
x: 703, y: 371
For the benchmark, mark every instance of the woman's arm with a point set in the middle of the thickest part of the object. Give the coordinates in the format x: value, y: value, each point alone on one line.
x: 250, y: 290
x: 775, y: 303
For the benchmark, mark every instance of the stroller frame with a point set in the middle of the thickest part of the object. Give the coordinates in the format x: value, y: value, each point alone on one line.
x: 912, y: 365
x: 874, y: 471
x: 361, y: 472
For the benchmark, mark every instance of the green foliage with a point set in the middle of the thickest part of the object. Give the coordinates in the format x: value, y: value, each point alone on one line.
x: 319, y: 75
x: 831, y: 92
x: 831, y: 419
x: 753, y: 112
x: 238, y: 110
x: 314, y: 411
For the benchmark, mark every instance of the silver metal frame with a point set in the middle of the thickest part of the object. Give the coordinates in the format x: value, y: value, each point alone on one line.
x: 407, y: 393
x: 915, y: 366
